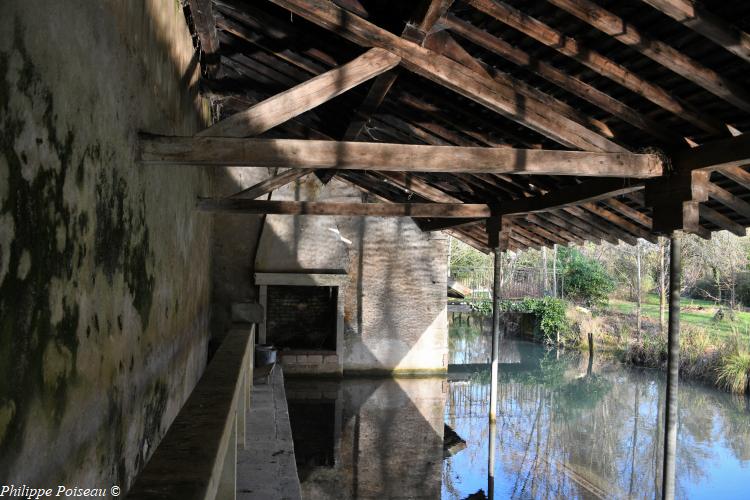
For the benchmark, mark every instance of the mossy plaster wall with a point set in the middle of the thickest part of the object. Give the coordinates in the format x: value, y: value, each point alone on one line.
x: 104, y: 264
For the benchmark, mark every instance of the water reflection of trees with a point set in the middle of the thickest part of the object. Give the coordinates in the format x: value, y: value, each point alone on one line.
x: 566, y: 432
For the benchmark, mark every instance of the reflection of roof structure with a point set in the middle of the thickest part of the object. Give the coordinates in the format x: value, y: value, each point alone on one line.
x: 526, y: 82
x: 457, y: 289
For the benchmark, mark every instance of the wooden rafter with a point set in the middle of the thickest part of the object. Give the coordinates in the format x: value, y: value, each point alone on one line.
x: 383, y: 83
x: 569, y: 225
x: 551, y: 231
x: 625, y: 32
x: 721, y: 220
x: 729, y: 200
x: 692, y: 15
x: 205, y: 28
x: 267, y: 185
x: 629, y: 212
x: 582, y: 225
x: 616, y: 220
x: 597, y: 62
x: 738, y: 175
x: 559, y: 78
x: 296, y: 153
x: 716, y: 155
x: 284, y: 106
x: 443, y: 70
x: 593, y: 190
x: 602, y: 224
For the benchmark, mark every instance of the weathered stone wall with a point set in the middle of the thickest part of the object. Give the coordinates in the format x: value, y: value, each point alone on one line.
x: 395, y: 297
x: 104, y: 264
x: 233, y: 251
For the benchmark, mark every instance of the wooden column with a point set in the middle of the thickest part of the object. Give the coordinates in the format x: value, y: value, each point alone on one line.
x: 673, y: 364
x: 499, y: 235
x: 496, y: 292
x: 498, y: 230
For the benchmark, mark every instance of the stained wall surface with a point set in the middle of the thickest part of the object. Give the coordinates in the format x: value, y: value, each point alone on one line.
x: 104, y: 264
x: 395, y: 316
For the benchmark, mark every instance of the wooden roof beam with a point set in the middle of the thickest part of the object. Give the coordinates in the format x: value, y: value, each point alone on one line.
x: 625, y: 32
x: 308, y: 95
x: 553, y: 232
x: 468, y: 239
x: 455, y: 76
x: 715, y: 155
x: 546, y: 238
x: 622, y: 223
x: 418, y: 186
x: 692, y: 15
x: 429, y: 210
x: 572, y: 228
x: 589, y: 191
x: 629, y: 212
x: 597, y: 62
x: 721, y: 220
x: 383, y: 83
x: 205, y: 27
x: 584, y: 226
x: 602, y: 225
x: 558, y: 77
x: 297, y: 153
x: 522, y: 241
x: 267, y: 185
x: 729, y: 200
x: 533, y: 237
x: 738, y: 175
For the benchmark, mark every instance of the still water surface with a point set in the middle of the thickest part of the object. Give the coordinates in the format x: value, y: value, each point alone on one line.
x: 566, y: 428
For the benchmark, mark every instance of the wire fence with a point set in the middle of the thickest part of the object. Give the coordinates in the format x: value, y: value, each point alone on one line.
x: 516, y: 283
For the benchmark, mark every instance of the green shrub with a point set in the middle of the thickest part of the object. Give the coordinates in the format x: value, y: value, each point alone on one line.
x: 549, y: 310
x: 586, y: 281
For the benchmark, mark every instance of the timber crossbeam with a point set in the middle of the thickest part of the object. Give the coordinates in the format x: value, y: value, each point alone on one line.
x: 316, y: 154
x: 428, y: 210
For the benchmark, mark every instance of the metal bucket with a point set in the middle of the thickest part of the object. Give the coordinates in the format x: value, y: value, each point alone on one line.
x: 265, y: 354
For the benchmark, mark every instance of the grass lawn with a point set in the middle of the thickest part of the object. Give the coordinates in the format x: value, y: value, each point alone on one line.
x: 690, y: 314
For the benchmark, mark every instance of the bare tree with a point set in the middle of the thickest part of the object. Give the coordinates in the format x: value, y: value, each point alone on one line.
x: 662, y: 284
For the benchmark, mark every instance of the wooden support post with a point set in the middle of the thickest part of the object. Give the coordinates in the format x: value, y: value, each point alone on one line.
x: 498, y: 231
x: 496, y: 293
x: 675, y: 201
x: 673, y: 364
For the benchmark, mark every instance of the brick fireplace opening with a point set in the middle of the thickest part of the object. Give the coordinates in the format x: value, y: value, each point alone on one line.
x: 303, y: 319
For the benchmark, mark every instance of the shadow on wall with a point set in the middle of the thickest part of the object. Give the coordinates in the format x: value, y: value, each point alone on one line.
x: 395, y: 293
x: 104, y: 301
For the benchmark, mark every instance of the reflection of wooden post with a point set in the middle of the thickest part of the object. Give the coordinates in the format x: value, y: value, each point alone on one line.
x: 673, y: 363
x: 491, y: 465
